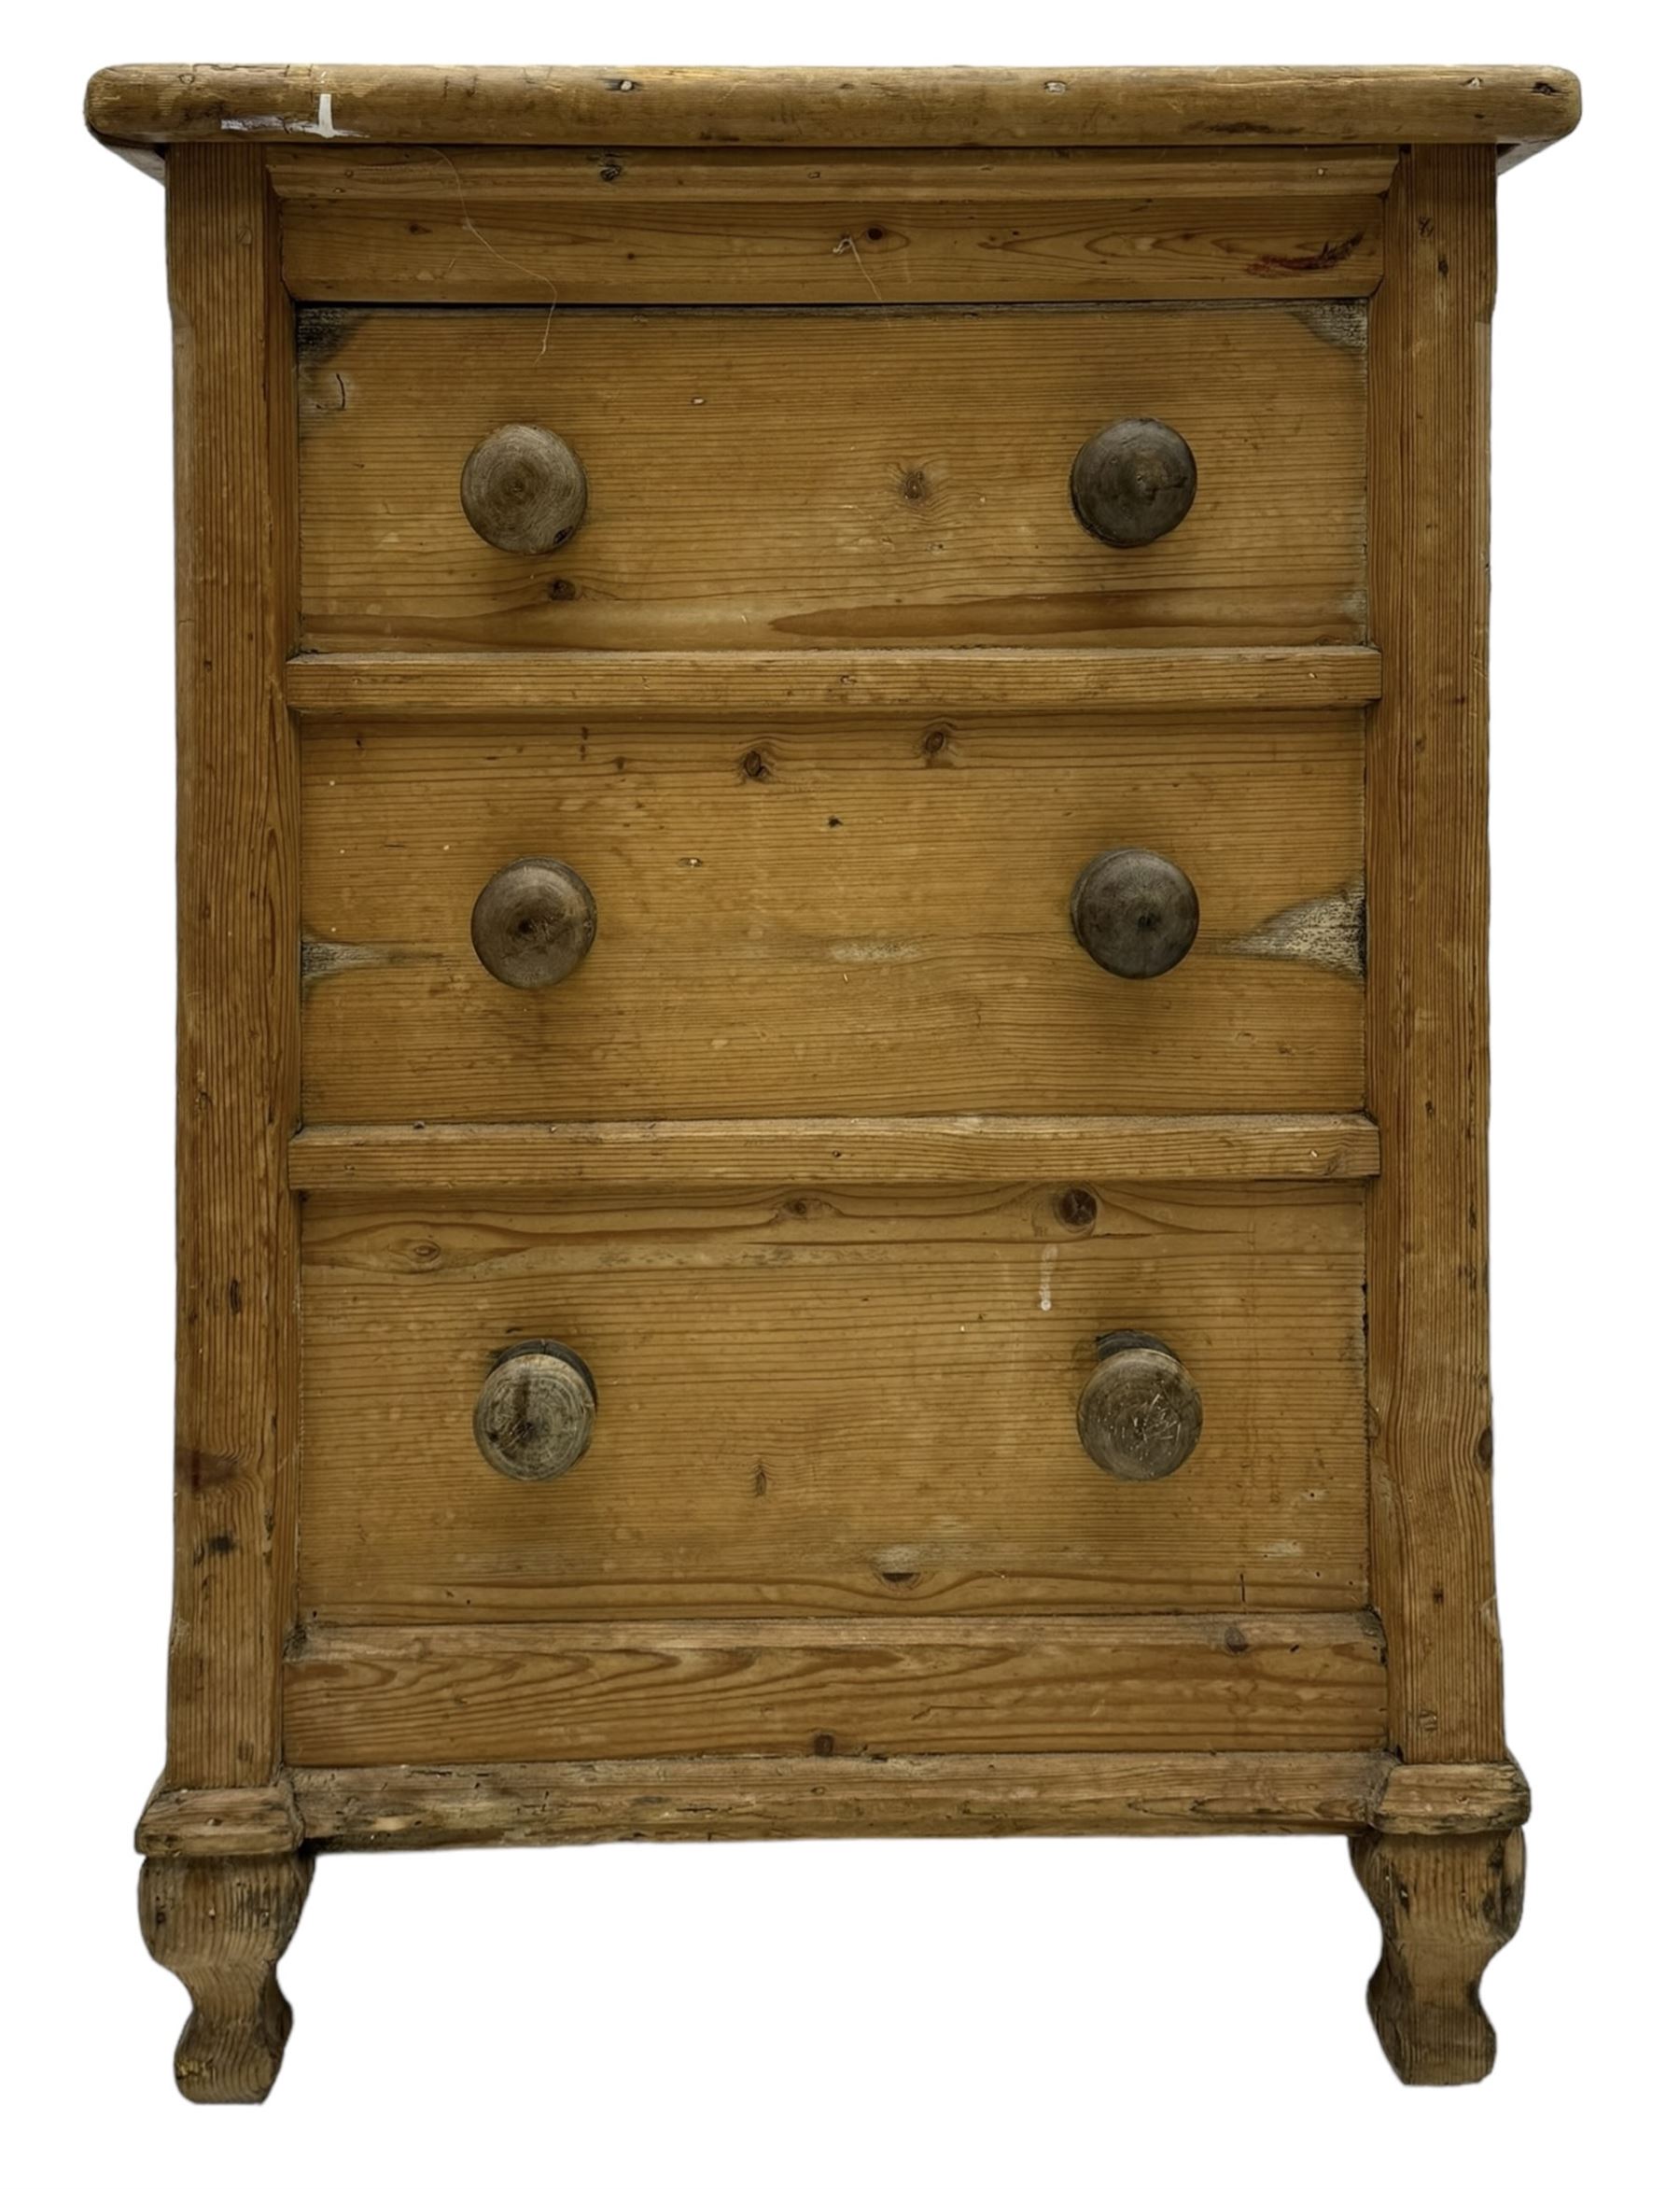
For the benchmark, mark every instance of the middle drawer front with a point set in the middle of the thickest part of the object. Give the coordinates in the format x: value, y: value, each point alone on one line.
x: 848, y: 1402
x: 815, y: 919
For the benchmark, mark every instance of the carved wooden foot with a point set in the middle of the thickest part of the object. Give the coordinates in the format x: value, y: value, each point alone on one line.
x: 1446, y: 1905
x: 222, y: 1926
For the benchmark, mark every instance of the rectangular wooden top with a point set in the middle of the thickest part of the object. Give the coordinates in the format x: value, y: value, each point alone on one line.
x: 166, y: 102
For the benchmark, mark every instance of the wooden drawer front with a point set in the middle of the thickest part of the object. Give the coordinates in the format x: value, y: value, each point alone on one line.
x: 799, y: 479
x: 853, y: 1402
x: 542, y: 226
x: 807, y: 919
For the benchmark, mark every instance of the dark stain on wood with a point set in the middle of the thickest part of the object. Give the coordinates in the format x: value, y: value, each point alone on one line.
x: 1320, y: 261
x: 198, y: 1470
x: 322, y: 331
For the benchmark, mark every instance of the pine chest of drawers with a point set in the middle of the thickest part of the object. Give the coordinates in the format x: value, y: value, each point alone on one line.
x: 832, y: 1033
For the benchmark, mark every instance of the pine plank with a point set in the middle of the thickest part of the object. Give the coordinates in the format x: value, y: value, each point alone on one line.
x: 714, y: 173
x: 1427, y: 1027
x: 236, y: 1359
x: 1020, y: 682
x: 165, y: 102
x: 429, y: 226
x: 823, y: 1689
x: 920, y: 1797
x: 813, y: 1151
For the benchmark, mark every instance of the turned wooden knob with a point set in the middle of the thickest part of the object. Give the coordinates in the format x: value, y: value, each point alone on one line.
x: 1134, y: 912
x: 523, y: 490
x: 533, y: 923
x: 536, y: 1412
x: 1140, y: 1415
x: 1133, y: 482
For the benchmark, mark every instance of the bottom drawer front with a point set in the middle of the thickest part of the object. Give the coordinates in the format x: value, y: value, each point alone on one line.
x: 834, y: 1687
x: 857, y: 1402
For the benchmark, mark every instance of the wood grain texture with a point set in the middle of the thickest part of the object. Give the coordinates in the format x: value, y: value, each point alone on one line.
x: 237, y: 1362
x: 529, y: 1693
x: 221, y: 1927
x: 171, y: 101
x: 212, y: 1821
x: 1430, y: 1800
x: 844, y: 1400
x: 831, y: 478
x: 430, y: 226
x: 1019, y: 682
x: 1427, y: 1027
x: 1446, y: 1905
x: 811, y: 1151
x: 911, y: 1797
x: 826, y: 1161
x: 714, y: 173
x: 551, y: 1803
x: 819, y: 916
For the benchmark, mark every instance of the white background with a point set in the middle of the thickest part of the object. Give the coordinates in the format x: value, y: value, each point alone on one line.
x: 1047, y: 2012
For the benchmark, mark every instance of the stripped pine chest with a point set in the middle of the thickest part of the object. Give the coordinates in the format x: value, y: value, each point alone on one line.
x: 833, y: 750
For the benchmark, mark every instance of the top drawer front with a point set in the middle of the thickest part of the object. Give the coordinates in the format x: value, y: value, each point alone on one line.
x: 834, y: 478
x: 385, y: 224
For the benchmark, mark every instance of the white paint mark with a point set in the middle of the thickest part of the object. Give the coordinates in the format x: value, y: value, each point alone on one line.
x: 248, y: 124
x: 1046, y: 1270
x: 871, y: 953
x: 1327, y: 933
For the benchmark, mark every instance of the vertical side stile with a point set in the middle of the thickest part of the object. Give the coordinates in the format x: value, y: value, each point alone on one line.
x: 236, y: 1362
x: 1432, y: 1441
